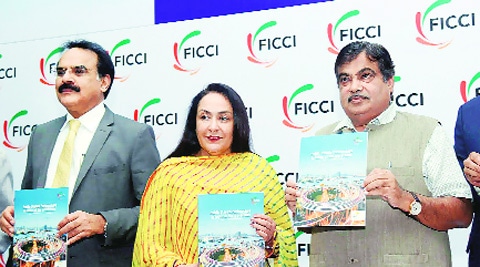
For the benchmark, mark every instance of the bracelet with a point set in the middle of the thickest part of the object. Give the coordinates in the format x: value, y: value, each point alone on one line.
x: 105, y: 229
x: 272, y: 251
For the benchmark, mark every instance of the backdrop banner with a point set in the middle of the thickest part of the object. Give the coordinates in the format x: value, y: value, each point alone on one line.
x: 280, y: 61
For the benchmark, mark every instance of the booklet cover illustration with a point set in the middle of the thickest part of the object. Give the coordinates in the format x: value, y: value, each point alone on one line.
x: 332, y: 169
x: 37, y: 214
x: 225, y: 234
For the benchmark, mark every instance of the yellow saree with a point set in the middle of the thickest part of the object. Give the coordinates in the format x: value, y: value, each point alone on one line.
x: 167, y: 228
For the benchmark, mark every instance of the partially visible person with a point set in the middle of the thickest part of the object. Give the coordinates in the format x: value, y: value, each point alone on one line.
x: 415, y: 188
x: 213, y: 156
x: 112, y: 159
x: 6, y: 199
x: 467, y: 147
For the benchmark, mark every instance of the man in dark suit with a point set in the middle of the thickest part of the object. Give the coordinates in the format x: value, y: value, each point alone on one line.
x: 467, y: 148
x: 6, y: 198
x: 112, y: 160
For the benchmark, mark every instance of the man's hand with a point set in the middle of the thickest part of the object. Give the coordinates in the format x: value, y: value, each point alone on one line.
x: 381, y: 182
x: 471, y: 168
x: 80, y: 225
x: 6, y: 221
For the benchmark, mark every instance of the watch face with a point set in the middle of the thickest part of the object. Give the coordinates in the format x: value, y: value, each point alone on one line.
x: 415, y: 208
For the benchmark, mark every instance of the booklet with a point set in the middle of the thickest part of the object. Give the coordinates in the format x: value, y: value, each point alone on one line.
x: 37, y: 214
x: 332, y: 169
x: 225, y: 234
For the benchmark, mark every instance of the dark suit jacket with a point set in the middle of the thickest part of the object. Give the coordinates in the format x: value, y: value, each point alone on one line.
x: 115, y: 169
x: 6, y: 195
x: 467, y: 139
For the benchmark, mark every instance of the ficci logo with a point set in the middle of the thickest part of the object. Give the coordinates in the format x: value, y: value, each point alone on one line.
x: 6, y: 129
x: 137, y: 115
x: 420, y: 23
x: 286, y: 105
x: 47, y: 68
x: 178, y: 48
x: 159, y: 119
x: 251, y: 39
x: 466, y: 91
x: 331, y: 30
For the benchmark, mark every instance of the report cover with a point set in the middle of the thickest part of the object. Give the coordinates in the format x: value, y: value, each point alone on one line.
x: 332, y: 169
x: 225, y: 234
x: 37, y: 214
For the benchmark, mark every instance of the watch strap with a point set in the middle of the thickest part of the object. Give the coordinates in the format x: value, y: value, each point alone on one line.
x: 415, y: 197
x: 415, y: 206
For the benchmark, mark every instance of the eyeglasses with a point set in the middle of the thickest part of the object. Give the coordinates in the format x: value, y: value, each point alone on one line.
x: 365, y: 75
x: 78, y: 71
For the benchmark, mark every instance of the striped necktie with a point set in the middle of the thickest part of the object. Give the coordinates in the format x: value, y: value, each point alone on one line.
x: 65, y: 161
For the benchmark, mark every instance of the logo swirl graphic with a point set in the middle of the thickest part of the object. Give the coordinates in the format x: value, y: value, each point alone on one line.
x: 286, y: 105
x: 6, y: 128
x: 465, y: 90
x: 251, y: 43
x: 43, y: 66
x: 420, y: 21
x: 137, y: 115
x: 332, y: 30
x: 118, y: 45
x: 177, y: 48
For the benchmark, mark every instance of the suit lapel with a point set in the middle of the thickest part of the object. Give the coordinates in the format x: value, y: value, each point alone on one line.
x: 99, y: 138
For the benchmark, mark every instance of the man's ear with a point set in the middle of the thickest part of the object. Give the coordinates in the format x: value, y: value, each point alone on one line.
x: 390, y: 85
x: 105, y: 82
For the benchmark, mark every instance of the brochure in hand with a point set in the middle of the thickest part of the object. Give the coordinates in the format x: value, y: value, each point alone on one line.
x: 225, y: 234
x: 37, y: 214
x: 332, y: 169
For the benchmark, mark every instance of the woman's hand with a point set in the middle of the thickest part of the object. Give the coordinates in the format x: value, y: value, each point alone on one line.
x: 265, y: 227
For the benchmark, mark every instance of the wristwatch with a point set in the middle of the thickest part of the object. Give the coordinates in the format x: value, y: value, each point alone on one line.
x: 415, y: 206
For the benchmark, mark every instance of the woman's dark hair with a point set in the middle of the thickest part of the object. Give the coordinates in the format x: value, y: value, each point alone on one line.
x: 189, y: 144
x: 104, y: 61
x: 375, y: 52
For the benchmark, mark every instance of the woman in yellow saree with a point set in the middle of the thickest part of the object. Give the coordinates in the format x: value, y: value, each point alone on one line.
x: 213, y: 156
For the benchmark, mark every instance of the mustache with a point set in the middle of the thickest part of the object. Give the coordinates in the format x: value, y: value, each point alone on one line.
x: 68, y: 86
x: 350, y: 98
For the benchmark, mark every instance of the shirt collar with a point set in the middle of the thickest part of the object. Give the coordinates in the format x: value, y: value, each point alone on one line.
x: 385, y: 117
x: 91, y: 119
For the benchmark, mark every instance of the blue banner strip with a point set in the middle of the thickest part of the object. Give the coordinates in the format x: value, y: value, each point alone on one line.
x: 171, y: 11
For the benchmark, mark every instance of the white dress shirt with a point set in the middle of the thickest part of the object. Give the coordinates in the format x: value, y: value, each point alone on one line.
x: 89, y: 124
